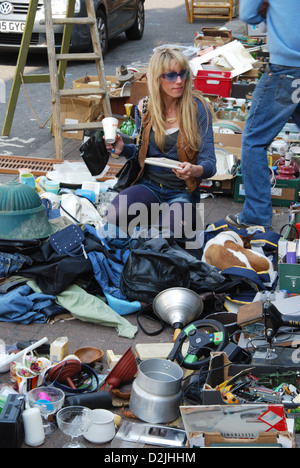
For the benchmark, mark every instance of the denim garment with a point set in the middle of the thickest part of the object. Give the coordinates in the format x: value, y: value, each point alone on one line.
x: 23, y: 306
x: 274, y: 101
x: 12, y: 263
x: 108, y: 272
x: 168, y: 195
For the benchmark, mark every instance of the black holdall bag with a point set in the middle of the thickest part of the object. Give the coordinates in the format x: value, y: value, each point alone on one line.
x: 147, y: 273
x: 94, y: 153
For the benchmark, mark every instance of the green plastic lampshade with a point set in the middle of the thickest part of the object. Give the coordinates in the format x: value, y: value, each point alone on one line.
x: 22, y: 214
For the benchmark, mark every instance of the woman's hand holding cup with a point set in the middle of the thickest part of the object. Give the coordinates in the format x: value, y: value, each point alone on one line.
x: 116, y: 147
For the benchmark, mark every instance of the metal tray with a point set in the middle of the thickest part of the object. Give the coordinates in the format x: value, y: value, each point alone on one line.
x: 152, y: 434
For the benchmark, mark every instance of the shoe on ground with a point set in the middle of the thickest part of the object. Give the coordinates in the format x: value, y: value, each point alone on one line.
x: 234, y: 221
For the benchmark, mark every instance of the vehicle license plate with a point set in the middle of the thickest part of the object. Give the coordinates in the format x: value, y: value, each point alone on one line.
x: 12, y: 26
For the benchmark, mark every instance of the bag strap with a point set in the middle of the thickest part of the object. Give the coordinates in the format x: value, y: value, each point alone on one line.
x: 143, y: 312
x: 144, y: 110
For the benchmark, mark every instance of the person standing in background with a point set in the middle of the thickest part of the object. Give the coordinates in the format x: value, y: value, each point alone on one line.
x: 275, y: 100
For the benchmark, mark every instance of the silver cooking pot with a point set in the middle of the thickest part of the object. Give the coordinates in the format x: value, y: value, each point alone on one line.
x: 156, y: 392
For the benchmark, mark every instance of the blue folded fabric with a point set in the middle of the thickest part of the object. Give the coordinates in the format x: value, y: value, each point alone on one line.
x: 23, y: 306
x: 121, y: 306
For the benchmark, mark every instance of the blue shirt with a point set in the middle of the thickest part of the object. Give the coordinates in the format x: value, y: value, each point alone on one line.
x: 206, y: 157
x: 283, y: 22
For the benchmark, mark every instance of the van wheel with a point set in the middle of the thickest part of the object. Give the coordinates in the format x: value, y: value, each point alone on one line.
x: 136, y: 31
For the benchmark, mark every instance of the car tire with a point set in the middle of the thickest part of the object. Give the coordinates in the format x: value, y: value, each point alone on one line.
x: 136, y: 31
x: 102, y: 31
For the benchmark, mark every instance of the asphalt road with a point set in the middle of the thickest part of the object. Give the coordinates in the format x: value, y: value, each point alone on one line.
x: 166, y: 23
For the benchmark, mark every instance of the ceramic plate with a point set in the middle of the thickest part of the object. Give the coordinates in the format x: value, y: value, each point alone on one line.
x: 163, y: 162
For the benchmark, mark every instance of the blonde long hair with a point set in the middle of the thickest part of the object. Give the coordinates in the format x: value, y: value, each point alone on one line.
x: 162, y: 61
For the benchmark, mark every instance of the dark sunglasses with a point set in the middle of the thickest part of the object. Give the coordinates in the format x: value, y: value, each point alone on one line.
x: 172, y: 76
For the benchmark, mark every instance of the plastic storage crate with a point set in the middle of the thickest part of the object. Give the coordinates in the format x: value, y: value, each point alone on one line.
x: 213, y: 82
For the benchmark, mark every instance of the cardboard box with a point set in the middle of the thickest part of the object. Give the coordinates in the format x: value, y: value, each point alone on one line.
x: 250, y: 75
x: 224, y: 183
x: 90, y: 81
x: 138, y: 90
x: 231, y: 57
x: 283, y: 194
x: 217, y: 32
x: 264, y: 440
x: 226, y: 425
x: 222, y: 370
x: 79, y: 110
x: 213, y: 37
x: 116, y: 100
x: 208, y: 41
x: 289, y: 277
x: 229, y: 140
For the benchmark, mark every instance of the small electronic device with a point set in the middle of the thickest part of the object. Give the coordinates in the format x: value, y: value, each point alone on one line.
x: 11, y: 422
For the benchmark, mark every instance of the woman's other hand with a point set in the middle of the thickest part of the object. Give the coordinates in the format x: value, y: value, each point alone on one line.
x: 187, y: 170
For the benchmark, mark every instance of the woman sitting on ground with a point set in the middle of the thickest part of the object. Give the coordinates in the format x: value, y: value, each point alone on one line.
x: 177, y: 125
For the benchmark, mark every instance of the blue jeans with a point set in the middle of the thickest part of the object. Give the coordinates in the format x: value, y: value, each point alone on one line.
x: 168, y: 195
x: 12, y: 263
x: 275, y: 99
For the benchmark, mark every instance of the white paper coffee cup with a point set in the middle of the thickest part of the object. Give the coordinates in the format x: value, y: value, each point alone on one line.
x: 110, y: 126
